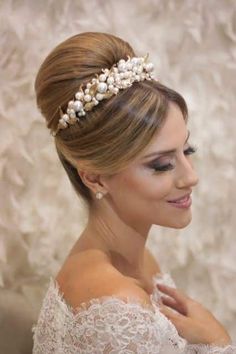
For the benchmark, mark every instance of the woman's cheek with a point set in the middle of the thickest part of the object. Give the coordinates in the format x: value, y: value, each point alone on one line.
x: 162, y: 185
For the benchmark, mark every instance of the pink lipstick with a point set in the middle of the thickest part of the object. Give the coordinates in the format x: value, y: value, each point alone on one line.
x: 182, y: 202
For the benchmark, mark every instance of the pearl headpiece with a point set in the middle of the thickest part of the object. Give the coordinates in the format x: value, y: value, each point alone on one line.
x: 105, y: 85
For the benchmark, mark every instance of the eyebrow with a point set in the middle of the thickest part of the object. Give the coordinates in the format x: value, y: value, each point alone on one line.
x: 166, y: 151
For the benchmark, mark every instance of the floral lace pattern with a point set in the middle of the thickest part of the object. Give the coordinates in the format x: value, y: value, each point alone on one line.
x: 109, y: 324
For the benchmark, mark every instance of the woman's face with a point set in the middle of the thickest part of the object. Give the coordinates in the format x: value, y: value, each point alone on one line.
x: 141, y: 195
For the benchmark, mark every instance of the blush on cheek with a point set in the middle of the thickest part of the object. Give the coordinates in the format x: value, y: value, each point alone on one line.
x: 135, y: 185
x: 159, y: 189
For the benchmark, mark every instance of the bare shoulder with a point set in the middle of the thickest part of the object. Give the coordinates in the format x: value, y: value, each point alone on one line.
x: 98, y: 280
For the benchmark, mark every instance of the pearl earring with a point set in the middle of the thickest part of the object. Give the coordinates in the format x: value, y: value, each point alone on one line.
x: 99, y: 195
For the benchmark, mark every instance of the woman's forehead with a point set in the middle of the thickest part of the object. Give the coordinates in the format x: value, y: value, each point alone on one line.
x: 173, y: 133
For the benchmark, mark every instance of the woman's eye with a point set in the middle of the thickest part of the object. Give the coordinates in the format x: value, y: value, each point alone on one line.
x: 158, y: 167
x: 166, y: 167
x: 190, y: 150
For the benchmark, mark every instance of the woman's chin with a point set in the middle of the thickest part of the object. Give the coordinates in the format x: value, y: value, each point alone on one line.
x: 177, y: 223
x: 182, y: 223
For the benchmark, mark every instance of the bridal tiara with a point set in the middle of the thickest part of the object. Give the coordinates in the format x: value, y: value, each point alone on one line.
x: 104, y: 86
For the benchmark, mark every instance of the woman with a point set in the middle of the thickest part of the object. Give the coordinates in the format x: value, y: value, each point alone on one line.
x: 122, y: 138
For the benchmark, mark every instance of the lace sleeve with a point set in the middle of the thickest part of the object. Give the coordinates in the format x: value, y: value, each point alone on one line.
x: 109, y: 325
x: 210, y: 349
x: 106, y: 325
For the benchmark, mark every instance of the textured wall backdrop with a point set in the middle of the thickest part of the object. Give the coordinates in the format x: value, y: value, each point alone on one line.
x: 193, y: 46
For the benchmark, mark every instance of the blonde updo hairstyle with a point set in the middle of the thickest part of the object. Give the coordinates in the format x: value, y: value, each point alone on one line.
x: 115, y: 131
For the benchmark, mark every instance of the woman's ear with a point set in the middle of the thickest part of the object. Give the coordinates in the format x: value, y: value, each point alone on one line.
x: 93, y: 181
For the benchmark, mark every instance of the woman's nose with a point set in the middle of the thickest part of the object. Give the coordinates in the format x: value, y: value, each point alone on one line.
x: 187, y: 176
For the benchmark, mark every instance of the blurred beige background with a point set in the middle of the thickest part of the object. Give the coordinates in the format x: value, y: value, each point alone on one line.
x: 193, y: 47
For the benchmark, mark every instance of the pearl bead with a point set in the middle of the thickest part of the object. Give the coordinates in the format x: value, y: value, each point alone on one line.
x: 115, y: 90
x: 102, y: 87
x: 99, y: 195
x: 134, y: 60
x: 121, y: 61
x: 110, y: 87
x: 106, y: 71
x: 129, y: 66
x: 110, y: 80
x: 87, y: 98
x: 72, y: 115
x: 149, y: 67
x: 117, y: 77
x: 94, y: 81
x: 65, y: 117
x: 86, y: 91
x: 79, y: 95
x: 99, y: 96
x: 102, y: 77
x: 77, y: 106
x: 71, y: 104
x: 127, y: 74
x: 70, y: 110
x: 139, y: 70
x: 122, y: 67
x: 88, y: 85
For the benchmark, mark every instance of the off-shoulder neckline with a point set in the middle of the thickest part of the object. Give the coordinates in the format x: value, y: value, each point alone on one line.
x: 84, y: 306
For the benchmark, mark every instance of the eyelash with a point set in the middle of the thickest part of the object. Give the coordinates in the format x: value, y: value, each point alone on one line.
x: 162, y: 168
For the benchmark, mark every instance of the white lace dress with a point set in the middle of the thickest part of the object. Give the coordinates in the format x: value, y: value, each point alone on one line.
x: 111, y: 325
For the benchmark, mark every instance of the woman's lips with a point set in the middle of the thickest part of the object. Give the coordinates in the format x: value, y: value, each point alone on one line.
x: 184, y: 202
